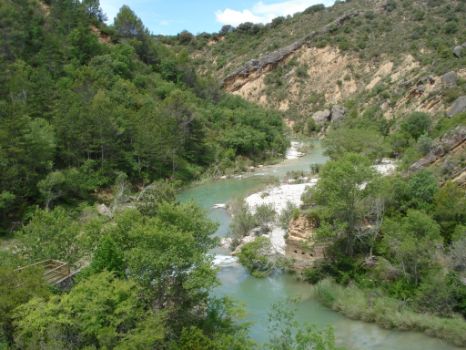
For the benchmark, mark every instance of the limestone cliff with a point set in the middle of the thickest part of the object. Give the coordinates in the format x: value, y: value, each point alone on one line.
x: 301, y: 246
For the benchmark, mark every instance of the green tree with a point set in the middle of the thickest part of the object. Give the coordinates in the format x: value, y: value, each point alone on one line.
x: 412, y: 243
x: 416, y: 124
x: 255, y: 256
x: 92, y: 7
x: 51, y: 187
x: 168, y: 258
x: 99, y: 312
x: 289, y: 334
x: 450, y: 208
x: 366, y: 142
x: 108, y: 256
x: 128, y: 25
x: 340, y: 197
x: 51, y: 235
x: 17, y: 288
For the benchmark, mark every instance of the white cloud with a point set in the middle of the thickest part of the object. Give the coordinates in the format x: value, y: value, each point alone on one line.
x: 264, y: 13
x: 111, y: 8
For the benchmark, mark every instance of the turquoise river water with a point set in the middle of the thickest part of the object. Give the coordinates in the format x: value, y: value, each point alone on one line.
x: 258, y: 295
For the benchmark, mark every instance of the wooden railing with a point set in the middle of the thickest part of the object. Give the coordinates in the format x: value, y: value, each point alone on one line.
x: 55, y: 272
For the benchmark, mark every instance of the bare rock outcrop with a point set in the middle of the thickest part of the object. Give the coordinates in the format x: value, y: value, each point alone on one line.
x: 322, y: 117
x: 459, y: 106
x: 459, y: 49
x: 448, y: 143
x: 237, y: 79
x: 301, y: 247
x: 338, y: 113
x: 449, y: 79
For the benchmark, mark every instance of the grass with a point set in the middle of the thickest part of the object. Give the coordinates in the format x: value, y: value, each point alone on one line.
x: 387, y: 312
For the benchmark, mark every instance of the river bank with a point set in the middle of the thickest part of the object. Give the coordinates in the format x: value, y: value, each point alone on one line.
x: 258, y: 295
x: 387, y: 312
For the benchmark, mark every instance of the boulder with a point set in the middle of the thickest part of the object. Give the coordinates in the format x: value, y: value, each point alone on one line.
x: 103, y: 210
x: 338, y: 113
x: 441, y: 147
x: 449, y: 79
x: 321, y: 117
x: 457, y: 51
x: 458, y: 106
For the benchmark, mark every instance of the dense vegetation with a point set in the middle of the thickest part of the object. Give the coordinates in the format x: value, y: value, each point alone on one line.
x: 94, y: 113
x: 82, y: 102
x: 397, y: 242
x: 90, y: 112
x: 392, y: 28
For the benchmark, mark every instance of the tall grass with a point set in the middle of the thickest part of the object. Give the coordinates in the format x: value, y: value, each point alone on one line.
x: 387, y: 312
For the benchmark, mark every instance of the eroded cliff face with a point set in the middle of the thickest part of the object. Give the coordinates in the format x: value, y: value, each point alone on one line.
x: 301, y: 246
x: 321, y: 77
x: 447, y: 156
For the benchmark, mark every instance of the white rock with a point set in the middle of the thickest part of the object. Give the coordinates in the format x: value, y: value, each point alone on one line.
x: 219, y: 206
x: 292, y: 152
x: 278, y: 197
x: 277, y: 239
x: 103, y: 210
x: 385, y: 167
x: 224, y: 260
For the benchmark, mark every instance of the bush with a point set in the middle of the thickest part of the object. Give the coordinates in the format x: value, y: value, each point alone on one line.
x: 291, y: 212
x: 264, y: 215
x: 387, y: 312
x: 243, y: 221
x: 416, y: 124
x: 254, y: 256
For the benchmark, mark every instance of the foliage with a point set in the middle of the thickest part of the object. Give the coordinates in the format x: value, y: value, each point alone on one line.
x: 413, y: 242
x: 264, y: 215
x: 290, y: 212
x: 17, y: 288
x: 366, y: 142
x: 255, y: 257
x: 108, y: 256
x: 82, y: 102
x: 288, y: 334
x: 387, y: 312
x: 243, y: 221
x: 416, y: 124
x: 450, y: 208
x: 98, y: 312
x: 51, y: 235
x: 340, y: 197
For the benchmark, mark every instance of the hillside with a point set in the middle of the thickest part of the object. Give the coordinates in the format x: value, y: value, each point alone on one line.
x: 329, y: 55
x: 378, y: 60
x: 146, y: 180
x: 82, y: 102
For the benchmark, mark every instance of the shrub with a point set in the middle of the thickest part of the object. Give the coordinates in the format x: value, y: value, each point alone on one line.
x: 416, y: 124
x: 290, y: 212
x: 387, y: 312
x: 243, y: 221
x: 254, y: 256
x: 264, y: 215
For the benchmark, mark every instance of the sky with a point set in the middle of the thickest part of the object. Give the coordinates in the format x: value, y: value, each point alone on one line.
x: 170, y: 17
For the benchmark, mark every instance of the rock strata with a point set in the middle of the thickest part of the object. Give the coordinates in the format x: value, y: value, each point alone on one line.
x: 457, y: 107
x: 446, y: 144
x: 449, y: 79
x: 271, y: 59
x: 301, y: 247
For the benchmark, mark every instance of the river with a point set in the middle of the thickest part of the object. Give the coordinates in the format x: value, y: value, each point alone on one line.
x: 258, y: 295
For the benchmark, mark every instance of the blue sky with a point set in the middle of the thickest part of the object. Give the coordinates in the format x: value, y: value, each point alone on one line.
x: 173, y: 16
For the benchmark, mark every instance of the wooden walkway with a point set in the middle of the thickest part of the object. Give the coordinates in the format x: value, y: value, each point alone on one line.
x: 56, y: 273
